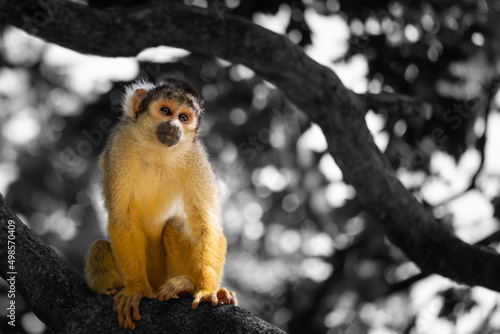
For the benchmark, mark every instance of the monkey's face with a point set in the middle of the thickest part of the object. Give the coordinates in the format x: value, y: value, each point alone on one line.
x: 175, y: 122
x: 168, y: 114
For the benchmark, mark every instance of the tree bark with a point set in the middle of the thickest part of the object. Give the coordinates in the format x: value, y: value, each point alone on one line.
x: 315, y: 89
x: 61, y: 299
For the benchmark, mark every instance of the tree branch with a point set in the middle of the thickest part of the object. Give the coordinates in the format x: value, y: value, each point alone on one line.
x: 315, y: 89
x: 405, y: 284
x: 398, y: 104
x: 61, y: 299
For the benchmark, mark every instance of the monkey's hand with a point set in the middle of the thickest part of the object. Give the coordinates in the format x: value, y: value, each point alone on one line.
x: 174, y: 286
x: 127, y: 305
x: 113, y: 291
x: 215, y: 297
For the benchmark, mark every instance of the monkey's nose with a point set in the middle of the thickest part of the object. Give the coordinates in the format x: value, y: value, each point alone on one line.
x: 168, y: 134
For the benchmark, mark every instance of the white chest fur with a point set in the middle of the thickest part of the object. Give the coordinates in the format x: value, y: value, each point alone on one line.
x: 175, y: 208
x: 166, y: 210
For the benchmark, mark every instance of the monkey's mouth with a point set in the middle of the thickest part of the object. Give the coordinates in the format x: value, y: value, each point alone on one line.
x: 168, y: 139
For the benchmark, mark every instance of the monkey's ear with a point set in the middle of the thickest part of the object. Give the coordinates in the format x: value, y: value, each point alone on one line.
x: 134, y: 94
x: 137, y: 99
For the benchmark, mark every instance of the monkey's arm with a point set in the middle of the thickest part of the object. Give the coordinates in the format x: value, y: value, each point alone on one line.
x: 128, y: 243
x: 129, y: 249
x: 209, y: 257
x: 209, y: 250
x: 125, y: 228
x: 127, y: 238
x: 209, y: 244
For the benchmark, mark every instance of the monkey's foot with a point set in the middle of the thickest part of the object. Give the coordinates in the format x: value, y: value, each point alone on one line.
x: 113, y: 291
x: 215, y: 297
x: 174, y: 286
x: 127, y: 305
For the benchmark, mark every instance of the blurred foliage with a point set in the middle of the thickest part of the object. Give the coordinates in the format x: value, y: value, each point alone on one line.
x: 302, y: 253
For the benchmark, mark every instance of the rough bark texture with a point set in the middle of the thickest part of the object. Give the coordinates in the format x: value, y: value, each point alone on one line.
x: 316, y: 90
x: 61, y: 299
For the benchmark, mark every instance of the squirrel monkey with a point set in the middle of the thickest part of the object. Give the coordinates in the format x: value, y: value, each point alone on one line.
x: 163, y: 208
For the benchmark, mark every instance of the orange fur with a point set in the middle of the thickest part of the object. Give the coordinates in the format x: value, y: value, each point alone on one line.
x: 163, y: 210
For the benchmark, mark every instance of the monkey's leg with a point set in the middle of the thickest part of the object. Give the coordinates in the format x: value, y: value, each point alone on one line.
x: 100, y: 269
x: 177, y: 250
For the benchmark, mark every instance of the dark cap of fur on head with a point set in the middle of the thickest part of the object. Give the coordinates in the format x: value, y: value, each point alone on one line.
x: 176, y: 89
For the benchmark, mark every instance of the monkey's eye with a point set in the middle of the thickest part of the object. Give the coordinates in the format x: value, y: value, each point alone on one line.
x: 165, y: 111
x: 183, y: 117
